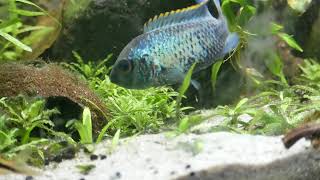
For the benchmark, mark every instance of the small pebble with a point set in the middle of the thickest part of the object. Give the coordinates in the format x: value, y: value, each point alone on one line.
x: 118, y: 174
x: 82, y: 179
x: 29, y: 178
x: 69, y: 153
x: 172, y: 173
x: 192, y: 174
x: 57, y: 159
x: 155, y: 172
x: 188, y: 166
x: 102, y: 157
x: 93, y: 157
x: 46, y: 162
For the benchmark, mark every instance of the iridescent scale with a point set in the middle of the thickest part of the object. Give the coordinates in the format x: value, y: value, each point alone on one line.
x: 179, y: 46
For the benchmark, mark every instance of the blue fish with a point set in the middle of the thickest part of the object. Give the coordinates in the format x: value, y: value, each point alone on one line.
x: 170, y: 44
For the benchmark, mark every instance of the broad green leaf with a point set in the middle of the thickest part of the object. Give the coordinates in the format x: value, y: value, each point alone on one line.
x: 214, y: 74
x: 15, y: 41
x: 290, y: 41
x: 87, y: 123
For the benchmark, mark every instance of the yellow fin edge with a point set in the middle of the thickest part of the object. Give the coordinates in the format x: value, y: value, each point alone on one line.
x: 156, y: 17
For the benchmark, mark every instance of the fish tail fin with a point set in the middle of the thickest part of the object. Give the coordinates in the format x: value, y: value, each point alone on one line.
x: 231, y: 43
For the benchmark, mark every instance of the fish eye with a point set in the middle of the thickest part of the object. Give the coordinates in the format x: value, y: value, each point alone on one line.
x: 125, y: 66
x: 144, y: 57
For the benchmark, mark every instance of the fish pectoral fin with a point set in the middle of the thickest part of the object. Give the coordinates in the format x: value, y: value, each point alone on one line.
x: 178, y: 16
x: 231, y: 43
x: 196, y: 85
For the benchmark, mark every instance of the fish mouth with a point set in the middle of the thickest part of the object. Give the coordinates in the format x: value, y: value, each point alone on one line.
x: 127, y: 81
x: 115, y: 78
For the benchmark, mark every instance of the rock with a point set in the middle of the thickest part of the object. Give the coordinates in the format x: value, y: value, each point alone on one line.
x: 207, y: 156
x: 61, y: 87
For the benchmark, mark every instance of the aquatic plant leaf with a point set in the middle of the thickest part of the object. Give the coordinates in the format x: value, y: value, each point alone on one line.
x: 32, y: 28
x: 240, y: 104
x: 5, y: 140
x: 87, y: 122
x: 241, y: 2
x: 290, y: 41
x: 15, y: 41
x: 275, y: 66
x: 8, y: 23
x: 214, y: 74
x: 103, y: 131
x: 228, y: 12
x: 245, y: 14
x: 28, y: 13
x: 115, y: 140
x: 275, y: 28
x: 29, y: 3
x: 299, y: 5
x: 84, y: 128
x: 184, y: 87
x: 187, y: 80
x: 183, y: 125
x: 34, y: 110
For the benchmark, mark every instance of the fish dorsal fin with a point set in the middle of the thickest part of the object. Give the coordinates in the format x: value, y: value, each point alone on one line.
x: 177, y: 16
